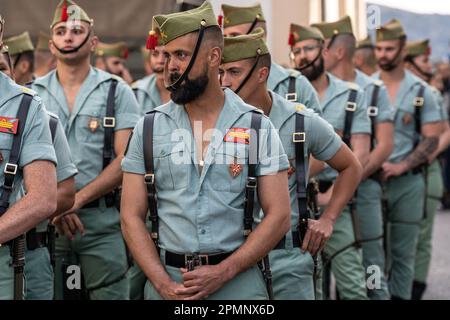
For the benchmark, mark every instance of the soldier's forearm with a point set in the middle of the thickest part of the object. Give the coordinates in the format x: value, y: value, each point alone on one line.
x: 420, y: 154
x: 65, y: 195
x: 108, y: 180
x: 344, y: 188
x: 444, y: 142
x: 376, y: 159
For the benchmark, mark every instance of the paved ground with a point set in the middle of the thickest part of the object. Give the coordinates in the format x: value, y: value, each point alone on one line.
x: 439, y: 277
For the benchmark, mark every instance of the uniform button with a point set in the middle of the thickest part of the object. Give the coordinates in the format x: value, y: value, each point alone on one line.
x: 203, y: 231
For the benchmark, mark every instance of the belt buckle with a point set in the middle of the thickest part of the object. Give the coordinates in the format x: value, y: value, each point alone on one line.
x: 419, y: 101
x: 194, y: 260
x: 351, y: 106
x: 109, y: 122
x: 372, y: 111
x: 298, y: 137
x: 292, y: 97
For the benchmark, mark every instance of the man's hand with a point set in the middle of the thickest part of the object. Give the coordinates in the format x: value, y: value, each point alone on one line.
x: 68, y: 225
x: 202, y: 281
x: 171, y: 290
x: 319, y: 231
x: 393, y: 169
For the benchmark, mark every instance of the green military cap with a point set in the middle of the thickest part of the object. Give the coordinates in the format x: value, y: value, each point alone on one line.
x: 233, y: 16
x: 364, y: 43
x: 69, y: 10
x: 330, y: 29
x: 166, y: 28
x: 299, y: 33
x: 391, y: 30
x: 19, y: 44
x: 244, y: 46
x: 118, y: 49
x: 418, y: 47
x: 42, y: 42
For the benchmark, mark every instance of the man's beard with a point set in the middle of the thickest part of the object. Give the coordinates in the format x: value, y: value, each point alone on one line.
x: 387, y: 65
x: 189, y: 90
x: 315, y: 70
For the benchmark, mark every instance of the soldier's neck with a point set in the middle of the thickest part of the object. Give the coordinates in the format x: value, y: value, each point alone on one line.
x: 24, y: 79
x: 209, y: 103
x: 345, y: 71
x: 393, y: 76
x: 261, y: 99
x: 72, y: 75
x: 321, y: 85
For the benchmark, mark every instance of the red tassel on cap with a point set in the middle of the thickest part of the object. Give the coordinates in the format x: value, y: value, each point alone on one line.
x: 291, y: 40
x: 220, y: 20
x: 125, y: 53
x: 428, y: 50
x: 64, y: 15
x: 152, y: 40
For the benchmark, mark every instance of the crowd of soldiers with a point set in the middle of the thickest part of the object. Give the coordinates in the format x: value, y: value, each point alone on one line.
x: 221, y: 174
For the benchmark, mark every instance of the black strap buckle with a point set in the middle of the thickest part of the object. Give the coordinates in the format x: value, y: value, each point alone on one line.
x: 351, y: 106
x: 298, y: 137
x: 10, y: 168
x: 292, y: 97
x: 109, y: 122
x: 149, y: 178
x: 419, y: 101
x: 252, y: 182
x: 372, y: 111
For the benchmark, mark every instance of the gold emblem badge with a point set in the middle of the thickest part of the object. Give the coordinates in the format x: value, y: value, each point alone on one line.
x: 291, y: 169
x: 235, y: 169
x: 406, y: 119
x: 93, y: 124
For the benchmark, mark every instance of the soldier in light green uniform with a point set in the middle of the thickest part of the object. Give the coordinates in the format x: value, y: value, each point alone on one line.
x: 36, y: 169
x: 243, y: 20
x: 38, y: 268
x: 21, y: 51
x: 292, y: 269
x: 414, y: 141
x: 202, y: 249
x: 338, y: 61
x: 364, y: 57
x: 417, y: 61
x: 78, y: 94
x: 150, y: 91
x: 111, y: 57
x: 44, y: 60
x: 335, y: 95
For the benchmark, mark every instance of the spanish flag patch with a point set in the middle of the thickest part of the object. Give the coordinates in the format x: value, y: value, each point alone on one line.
x: 9, y: 125
x: 238, y: 135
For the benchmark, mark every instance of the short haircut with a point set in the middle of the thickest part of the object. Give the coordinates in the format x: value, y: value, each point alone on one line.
x: 25, y: 56
x: 265, y: 61
x: 348, y: 42
x: 213, y: 37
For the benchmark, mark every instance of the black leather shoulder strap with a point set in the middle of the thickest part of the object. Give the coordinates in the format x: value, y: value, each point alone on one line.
x: 11, y: 167
x: 53, y: 123
x: 373, y: 113
x: 419, y: 102
x: 350, y: 109
x: 292, y: 93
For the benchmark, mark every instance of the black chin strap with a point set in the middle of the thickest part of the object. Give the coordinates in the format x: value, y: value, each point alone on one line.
x: 427, y: 75
x: 252, y: 26
x: 16, y: 61
x: 62, y: 51
x: 174, y: 86
x: 248, y: 75
x: 311, y: 63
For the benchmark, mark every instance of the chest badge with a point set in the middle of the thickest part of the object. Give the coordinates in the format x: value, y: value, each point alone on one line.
x: 235, y: 169
x: 291, y: 169
x: 93, y: 124
x: 9, y: 125
x: 406, y: 119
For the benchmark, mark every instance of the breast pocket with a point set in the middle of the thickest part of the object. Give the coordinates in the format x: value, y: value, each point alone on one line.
x: 89, y: 124
x: 230, y: 168
x: 172, y: 163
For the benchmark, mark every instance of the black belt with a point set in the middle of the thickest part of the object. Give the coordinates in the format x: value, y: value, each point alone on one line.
x: 36, y: 240
x: 324, y: 185
x: 92, y: 204
x: 180, y: 260
x: 295, y: 241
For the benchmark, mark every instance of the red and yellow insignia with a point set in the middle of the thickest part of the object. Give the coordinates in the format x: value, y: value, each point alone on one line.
x: 238, y: 135
x: 235, y: 169
x: 291, y: 169
x: 406, y: 119
x: 93, y: 124
x: 9, y: 125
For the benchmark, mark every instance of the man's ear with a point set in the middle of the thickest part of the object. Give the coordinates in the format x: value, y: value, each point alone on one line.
x: 23, y: 66
x: 263, y: 74
x: 215, y: 56
x: 94, y: 43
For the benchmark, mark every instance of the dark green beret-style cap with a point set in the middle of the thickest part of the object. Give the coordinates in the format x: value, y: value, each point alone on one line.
x: 299, y: 33
x: 418, y: 47
x: 19, y: 44
x: 392, y: 30
x: 68, y: 10
x: 364, y: 43
x: 233, y: 16
x: 330, y: 29
x: 244, y: 46
x: 171, y: 26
